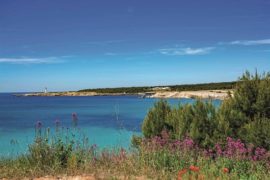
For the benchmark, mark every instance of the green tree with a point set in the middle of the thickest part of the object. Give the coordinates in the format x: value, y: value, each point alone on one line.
x: 180, y: 119
x: 155, y: 121
x: 246, y: 114
x: 203, y: 124
x: 257, y: 132
x: 196, y: 121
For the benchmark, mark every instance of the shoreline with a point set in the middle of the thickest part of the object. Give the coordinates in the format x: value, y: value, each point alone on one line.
x: 204, y: 94
x: 201, y: 94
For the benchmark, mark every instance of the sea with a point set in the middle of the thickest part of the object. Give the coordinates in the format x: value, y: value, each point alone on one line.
x: 107, y: 121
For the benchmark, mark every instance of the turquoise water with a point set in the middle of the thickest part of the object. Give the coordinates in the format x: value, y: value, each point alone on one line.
x: 108, y: 121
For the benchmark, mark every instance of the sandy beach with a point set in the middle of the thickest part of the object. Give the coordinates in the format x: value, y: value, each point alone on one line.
x: 213, y: 94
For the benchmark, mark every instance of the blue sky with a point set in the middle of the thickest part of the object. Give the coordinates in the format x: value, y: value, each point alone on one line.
x: 72, y: 45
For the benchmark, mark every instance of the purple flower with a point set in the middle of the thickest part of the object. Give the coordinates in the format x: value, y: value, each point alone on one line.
x: 188, y: 143
x: 74, y: 116
x: 235, y: 148
x: 57, y: 123
x: 259, y: 154
x: 38, y: 125
x: 209, y: 153
x: 218, y: 149
x: 176, y: 144
x: 74, y: 119
x: 93, y: 147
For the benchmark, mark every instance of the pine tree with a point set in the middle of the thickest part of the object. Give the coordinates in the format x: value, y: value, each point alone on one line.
x: 155, y: 120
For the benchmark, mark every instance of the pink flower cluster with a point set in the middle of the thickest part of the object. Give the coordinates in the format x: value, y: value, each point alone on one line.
x: 233, y: 149
x: 164, y: 142
x: 238, y: 150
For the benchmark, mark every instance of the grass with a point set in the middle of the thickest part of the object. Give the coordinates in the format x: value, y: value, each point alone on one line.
x: 64, y: 153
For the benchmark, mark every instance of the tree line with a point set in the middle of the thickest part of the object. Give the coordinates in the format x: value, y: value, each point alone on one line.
x: 185, y: 87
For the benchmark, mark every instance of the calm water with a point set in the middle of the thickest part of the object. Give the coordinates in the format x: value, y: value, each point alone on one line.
x: 108, y: 121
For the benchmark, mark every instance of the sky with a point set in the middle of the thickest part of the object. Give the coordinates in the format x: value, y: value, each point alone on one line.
x: 71, y: 45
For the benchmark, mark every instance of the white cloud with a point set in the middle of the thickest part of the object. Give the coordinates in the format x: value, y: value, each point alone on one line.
x: 251, y: 42
x: 26, y: 60
x: 186, y: 51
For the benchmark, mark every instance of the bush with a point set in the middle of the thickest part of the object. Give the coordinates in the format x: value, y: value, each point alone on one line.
x: 58, y: 150
x: 156, y: 119
x: 257, y: 132
x: 196, y: 121
x: 245, y: 115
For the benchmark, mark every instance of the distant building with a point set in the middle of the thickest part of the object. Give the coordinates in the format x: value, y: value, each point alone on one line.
x: 45, y: 90
x: 161, y: 88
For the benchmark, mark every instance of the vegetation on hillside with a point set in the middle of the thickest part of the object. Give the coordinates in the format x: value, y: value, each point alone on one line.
x: 186, y: 87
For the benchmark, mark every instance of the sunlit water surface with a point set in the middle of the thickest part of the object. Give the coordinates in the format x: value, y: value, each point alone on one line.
x: 108, y: 121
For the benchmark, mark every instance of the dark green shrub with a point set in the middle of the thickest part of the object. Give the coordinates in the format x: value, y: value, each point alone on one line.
x: 245, y: 115
x: 257, y: 132
x: 155, y: 121
x: 252, y: 95
x: 180, y: 119
x: 196, y: 121
x: 203, y: 125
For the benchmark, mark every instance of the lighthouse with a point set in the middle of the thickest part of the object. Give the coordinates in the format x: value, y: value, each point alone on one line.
x: 45, y: 90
